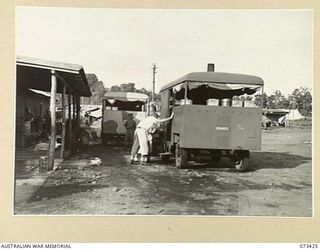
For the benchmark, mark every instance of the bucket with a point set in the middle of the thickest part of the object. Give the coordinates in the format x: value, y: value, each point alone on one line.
x: 43, y: 164
x: 84, y: 138
x: 226, y: 102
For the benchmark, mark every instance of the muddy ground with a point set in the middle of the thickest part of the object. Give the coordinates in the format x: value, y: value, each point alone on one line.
x: 278, y: 184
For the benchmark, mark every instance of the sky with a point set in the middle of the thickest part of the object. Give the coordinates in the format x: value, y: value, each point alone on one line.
x: 120, y: 45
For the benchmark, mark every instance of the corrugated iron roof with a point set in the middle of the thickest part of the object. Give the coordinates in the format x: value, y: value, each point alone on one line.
x: 36, y: 74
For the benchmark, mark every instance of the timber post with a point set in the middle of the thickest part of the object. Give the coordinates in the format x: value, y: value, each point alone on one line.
x: 73, y: 108
x: 74, y: 125
x: 53, y: 120
x: 70, y: 121
x: 78, y: 116
x: 63, y: 133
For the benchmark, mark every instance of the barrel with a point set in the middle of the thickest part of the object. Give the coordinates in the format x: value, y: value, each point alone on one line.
x: 226, y: 102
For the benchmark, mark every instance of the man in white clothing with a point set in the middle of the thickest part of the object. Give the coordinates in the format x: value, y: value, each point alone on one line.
x: 142, y: 132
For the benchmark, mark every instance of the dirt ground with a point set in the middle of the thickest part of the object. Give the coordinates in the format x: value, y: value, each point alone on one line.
x: 279, y: 183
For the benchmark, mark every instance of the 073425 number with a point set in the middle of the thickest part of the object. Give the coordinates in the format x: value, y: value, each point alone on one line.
x: 309, y: 245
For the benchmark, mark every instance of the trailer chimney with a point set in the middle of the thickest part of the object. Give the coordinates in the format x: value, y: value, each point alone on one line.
x: 210, y: 67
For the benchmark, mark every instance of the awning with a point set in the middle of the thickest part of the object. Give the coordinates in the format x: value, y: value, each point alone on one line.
x: 40, y: 92
x: 276, y: 111
x: 92, y: 109
x: 126, y: 96
x: 218, y: 80
x: 96, y: 114
x: 233, y: 89
x: 35, y: 73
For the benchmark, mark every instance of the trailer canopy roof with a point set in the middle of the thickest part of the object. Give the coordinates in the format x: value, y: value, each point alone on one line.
x: 220, y: 81
x: 126, y: 96
x: 36, y: 74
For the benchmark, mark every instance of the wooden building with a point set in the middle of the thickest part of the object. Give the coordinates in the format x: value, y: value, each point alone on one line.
x: 35, y: 102
x: 37, y: 75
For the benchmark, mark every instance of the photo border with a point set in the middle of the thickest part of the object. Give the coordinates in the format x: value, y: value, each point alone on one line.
x: 139, y: 228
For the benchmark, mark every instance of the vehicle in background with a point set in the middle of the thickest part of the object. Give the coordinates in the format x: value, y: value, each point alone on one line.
x: 116, y: 107
x: 213, y: 112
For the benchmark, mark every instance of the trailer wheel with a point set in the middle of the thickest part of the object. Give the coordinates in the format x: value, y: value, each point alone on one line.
x: 216, y: 155
x: 240, y: 165
x: 104, y: 140
x: 165, y: 158
x: 181, y: 155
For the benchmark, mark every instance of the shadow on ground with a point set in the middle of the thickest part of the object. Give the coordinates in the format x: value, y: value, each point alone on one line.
x: 75, y: 175
x: 257, y: 160
x: 49, y: 192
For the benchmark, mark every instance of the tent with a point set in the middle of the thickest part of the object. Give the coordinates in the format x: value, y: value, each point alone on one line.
x: 294, y: 114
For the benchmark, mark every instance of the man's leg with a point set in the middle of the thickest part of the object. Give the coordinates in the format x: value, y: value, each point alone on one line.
x: 135, y: 147
x: 126, y: 139
x: 131, y: 136
x: 143, y: 142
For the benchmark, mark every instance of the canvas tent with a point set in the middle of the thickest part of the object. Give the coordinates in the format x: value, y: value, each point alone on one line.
x: 294, y: 114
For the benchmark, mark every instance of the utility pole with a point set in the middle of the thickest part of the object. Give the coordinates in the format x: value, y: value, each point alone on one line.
x: 154, y: 79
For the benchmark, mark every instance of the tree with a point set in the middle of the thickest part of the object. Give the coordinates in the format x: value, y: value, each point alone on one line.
x: 115, y: 88
x: 128, y: 87
x: 261, y: 99
x: 302, y: 100
x: 277, y: 101
x: 97, y: 90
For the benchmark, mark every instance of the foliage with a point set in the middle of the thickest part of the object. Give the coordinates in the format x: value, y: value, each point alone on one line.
x: 130, y: 87
x: 261, y: 98
x: 300, y: 99
x: 97, y: 90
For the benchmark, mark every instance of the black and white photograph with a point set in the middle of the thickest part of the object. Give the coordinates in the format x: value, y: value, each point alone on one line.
x: 164, y: 112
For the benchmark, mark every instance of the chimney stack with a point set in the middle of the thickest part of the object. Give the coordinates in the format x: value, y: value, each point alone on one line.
x: 210, y: 67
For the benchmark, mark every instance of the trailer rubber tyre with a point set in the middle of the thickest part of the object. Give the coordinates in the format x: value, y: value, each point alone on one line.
x: 165, y: 158
x: 104, y: 140
x: 216, y: 155
x: 240, y: 165
x: 181, y: 155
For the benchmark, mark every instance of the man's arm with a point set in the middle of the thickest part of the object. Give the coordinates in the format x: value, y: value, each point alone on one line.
x: 165, y: 119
